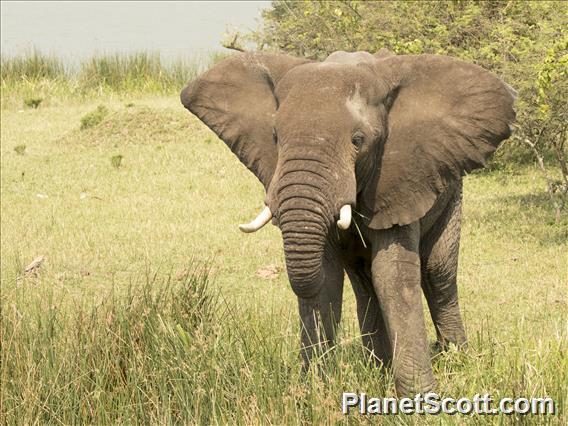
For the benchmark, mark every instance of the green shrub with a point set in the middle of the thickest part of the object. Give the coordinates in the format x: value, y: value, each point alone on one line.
x: 33, y: 102
x: 20, y: 149
x: 525, y: 43
x: 116, y: 161
x: 94, y: 117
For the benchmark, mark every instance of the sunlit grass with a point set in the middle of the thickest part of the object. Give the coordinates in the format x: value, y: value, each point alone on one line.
x: 102, y: 332
x: 31, y: 67
x: 36, y: 76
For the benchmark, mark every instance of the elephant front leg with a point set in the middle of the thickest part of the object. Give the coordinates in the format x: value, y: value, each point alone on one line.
x: 371, y: 323
x: 396, y: 280
x: 320, y: 316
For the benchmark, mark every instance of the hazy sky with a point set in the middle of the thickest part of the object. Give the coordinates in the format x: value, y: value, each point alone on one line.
x: 74, y: 30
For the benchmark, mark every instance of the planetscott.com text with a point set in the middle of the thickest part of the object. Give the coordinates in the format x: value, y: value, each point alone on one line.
x: 432, y: 403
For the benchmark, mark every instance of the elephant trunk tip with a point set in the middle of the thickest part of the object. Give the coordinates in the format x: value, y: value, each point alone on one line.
x: 306, y: 287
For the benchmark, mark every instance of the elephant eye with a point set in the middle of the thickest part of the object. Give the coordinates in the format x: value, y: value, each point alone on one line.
x: 274, y: 137
x: 357, y: 140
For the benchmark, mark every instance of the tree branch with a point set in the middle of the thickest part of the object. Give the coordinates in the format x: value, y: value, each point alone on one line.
x: 233, y: 44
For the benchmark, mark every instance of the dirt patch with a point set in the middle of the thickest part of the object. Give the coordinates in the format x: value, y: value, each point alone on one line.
x: 269, y: 272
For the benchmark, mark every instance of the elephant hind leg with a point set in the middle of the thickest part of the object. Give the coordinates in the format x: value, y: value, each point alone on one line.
x: 439, y: 264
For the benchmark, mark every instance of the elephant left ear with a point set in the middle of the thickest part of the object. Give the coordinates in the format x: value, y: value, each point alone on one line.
x: 446, y: 118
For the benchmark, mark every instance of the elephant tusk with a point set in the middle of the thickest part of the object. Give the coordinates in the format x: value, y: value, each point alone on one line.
x: 344, y: 217
x: 262, y: 219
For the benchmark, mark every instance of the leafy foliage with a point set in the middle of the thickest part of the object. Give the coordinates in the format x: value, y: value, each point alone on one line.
x: 523, y: 42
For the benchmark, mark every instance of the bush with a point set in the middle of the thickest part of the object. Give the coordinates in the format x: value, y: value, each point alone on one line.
x: 20, y: 149
x: 94, y: 117
x: 116, y: 161
x: 33, y: 102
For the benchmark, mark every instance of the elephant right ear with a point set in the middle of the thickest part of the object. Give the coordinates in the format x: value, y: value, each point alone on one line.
x: 236, y: 100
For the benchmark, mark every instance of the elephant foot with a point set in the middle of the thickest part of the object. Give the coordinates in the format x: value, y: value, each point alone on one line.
x: 445, y: 345
x: 448, y: 340
x: 315, y: 354
x: 377, y: 358
x: 450, y: 331
x: 413, y: 373
x: 410, y: 385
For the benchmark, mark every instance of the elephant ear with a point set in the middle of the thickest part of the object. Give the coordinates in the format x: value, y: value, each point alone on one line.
x: 446, y: 118
x: 236, y: 100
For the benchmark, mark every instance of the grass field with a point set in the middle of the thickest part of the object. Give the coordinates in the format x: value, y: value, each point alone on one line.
x: 149, y: 307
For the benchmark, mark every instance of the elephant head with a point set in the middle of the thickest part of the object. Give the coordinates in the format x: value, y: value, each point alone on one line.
x: 384, y: 135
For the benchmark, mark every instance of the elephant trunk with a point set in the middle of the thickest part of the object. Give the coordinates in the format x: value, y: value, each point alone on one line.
x: 304, y: 243
x: 305, y: 216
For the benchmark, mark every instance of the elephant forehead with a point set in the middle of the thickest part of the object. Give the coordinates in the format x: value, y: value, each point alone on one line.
x: 358, y: 107
x: 324, y: 77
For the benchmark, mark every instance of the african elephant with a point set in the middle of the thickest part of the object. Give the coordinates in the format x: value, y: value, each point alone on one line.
x: 384, y: 136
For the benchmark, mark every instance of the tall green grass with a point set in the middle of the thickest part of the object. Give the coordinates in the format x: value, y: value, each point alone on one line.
x: 94, y: 339
x: 166, y: 351
x: 37, y: 73
x: 130, y: 356
x: 31, y: 67
x: 170, y: 350
x: 140, y: 71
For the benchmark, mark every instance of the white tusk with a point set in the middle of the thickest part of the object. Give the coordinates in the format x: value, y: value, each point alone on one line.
x: 344, y: 217
x: 262, y: 219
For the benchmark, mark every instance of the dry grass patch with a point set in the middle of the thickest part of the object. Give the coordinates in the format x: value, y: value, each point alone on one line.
x: 132, y: 124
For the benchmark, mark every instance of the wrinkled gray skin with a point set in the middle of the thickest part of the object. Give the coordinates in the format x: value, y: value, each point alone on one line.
x: 389, y: 135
